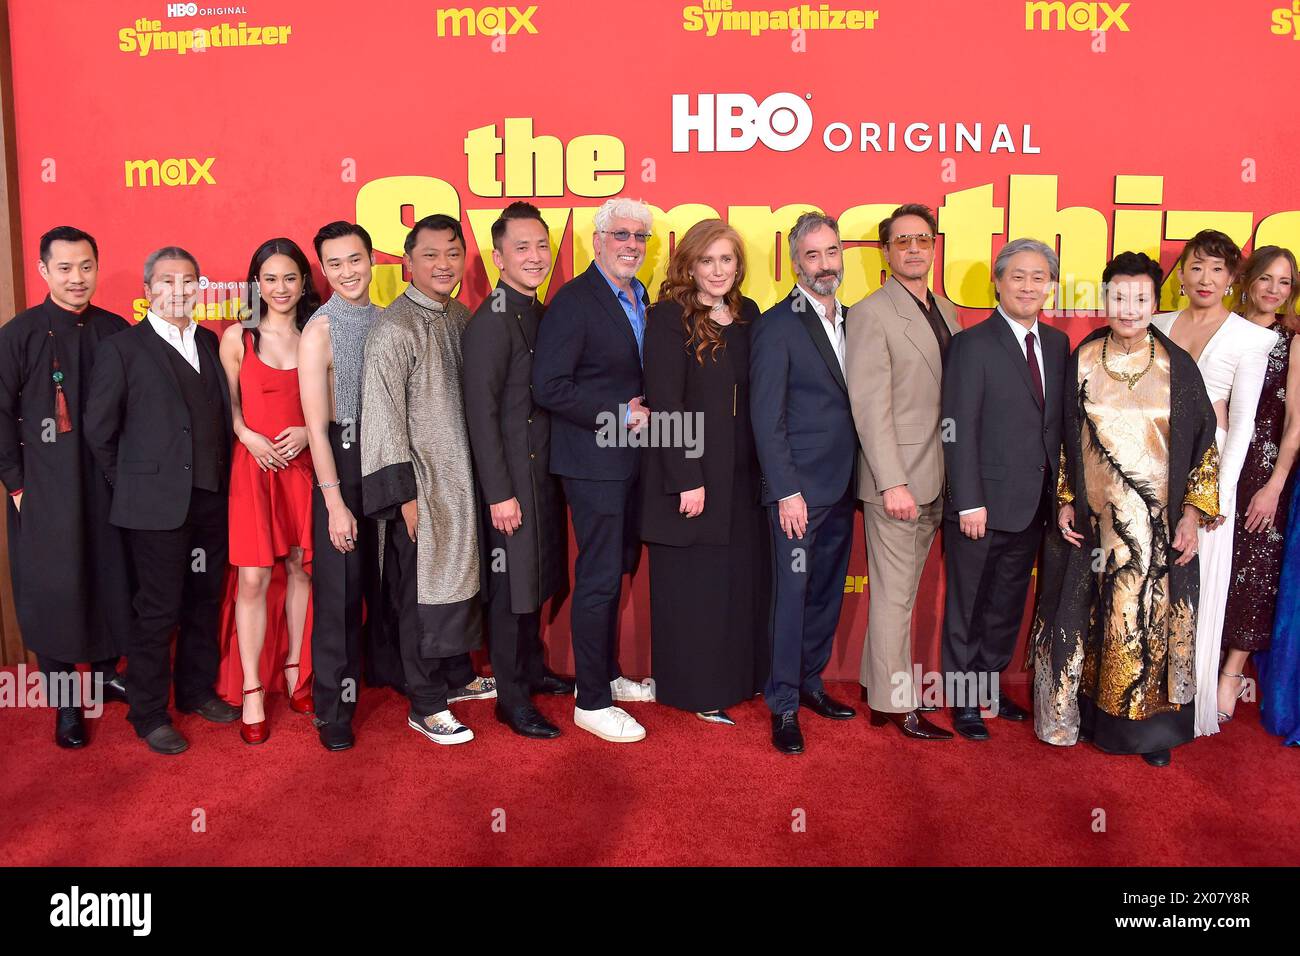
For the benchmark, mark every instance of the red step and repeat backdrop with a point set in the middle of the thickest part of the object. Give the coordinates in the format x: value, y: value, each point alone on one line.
x: 1095, y: 126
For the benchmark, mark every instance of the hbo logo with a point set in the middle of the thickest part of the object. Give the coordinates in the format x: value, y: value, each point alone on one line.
x: 182, y: 9
x: 734, y: 122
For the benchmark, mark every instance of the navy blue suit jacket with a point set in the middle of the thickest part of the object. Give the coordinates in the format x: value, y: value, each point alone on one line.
x: 799, y: 404
x: 586, y: 363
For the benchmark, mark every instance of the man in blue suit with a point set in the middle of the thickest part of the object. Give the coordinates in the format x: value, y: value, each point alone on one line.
x: 587, y: 374
x: 807, y: 447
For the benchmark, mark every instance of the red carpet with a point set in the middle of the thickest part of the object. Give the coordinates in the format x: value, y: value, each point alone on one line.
x: 690, y: 794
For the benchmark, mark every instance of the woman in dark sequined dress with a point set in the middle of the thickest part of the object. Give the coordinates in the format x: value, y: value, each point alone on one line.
x: 1269, y: 288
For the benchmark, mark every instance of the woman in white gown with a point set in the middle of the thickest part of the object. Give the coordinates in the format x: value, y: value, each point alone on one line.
x: 1232, y: 354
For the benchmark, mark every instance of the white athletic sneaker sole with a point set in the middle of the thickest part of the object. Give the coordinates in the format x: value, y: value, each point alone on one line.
x: 591, y: 729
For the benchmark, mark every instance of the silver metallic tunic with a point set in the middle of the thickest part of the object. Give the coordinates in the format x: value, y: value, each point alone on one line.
x: 414, y: 443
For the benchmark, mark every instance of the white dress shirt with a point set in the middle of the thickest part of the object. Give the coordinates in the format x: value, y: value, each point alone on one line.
x: 1021, y: 332
x: 182, y: 340
x: 834, y: 329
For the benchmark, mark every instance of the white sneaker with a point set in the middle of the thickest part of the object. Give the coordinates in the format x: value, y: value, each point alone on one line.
x: 441, y: 728
x: 624, y: 689
x: 610, y: 723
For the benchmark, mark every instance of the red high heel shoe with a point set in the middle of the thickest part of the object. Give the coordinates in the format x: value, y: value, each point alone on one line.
x: 259, y: 732
x: 299, y: 705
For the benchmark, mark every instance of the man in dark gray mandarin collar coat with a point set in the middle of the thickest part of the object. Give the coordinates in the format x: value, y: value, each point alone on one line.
x: 524, y: 537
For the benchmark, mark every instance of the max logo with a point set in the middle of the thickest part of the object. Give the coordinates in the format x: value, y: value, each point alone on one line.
x: 1076, y: 16
x: 490, y: 21
x: 169, y: 172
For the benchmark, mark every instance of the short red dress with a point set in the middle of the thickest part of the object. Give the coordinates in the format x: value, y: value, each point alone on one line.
x: 270, y: 512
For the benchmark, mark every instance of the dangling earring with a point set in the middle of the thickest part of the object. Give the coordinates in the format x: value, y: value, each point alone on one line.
x: 1180, y: 289
x: 1229, y: 290
x: 1245, y: 298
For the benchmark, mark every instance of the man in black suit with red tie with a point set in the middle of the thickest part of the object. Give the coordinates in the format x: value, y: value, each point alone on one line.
x: 159, y: 424
x: 1003, y: 389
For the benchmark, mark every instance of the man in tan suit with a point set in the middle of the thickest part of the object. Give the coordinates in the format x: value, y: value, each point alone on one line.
x: 893, y: 363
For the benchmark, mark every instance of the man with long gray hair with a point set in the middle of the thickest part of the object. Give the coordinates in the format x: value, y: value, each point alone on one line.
x: 807, y: 446
x: 587, y: 374
x: 1003, y: 387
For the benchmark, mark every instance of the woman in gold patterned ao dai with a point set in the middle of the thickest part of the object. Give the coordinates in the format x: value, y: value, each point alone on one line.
x: 1114, y: 635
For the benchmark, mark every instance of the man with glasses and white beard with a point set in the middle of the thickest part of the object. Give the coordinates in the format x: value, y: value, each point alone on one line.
x: 587, y: 374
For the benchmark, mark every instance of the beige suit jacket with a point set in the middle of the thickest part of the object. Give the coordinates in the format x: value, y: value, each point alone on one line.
x: 894, y: 369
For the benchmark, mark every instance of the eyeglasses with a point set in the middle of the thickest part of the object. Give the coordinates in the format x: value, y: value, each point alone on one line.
x: 924, y: 240
x: 622, y: 235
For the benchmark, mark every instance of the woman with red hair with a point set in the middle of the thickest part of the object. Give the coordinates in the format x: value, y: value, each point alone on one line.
x: 701, y: 517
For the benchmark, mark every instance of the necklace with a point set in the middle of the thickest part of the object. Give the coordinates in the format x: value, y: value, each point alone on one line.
x: 1131, y: 378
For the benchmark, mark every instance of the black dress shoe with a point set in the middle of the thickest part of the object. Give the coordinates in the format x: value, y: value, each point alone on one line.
x: 217, y: 711
x: 912, y: 724
x: 1159, y: 758
x: 167, y: 740
x: 527, y: 722
x: 335, y: 736
x: 114, y: 689
x: 967, y: 722
x: 69, y: 728
x: 554, y: 684
x: 786, y: 735
x: 821, y: 704
x: 1008, y: 709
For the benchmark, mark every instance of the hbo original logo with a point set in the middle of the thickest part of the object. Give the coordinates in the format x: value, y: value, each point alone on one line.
x: 735, y: 122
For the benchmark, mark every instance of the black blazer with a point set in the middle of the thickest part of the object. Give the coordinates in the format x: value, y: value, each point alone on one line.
x: 585, y: 364
x: 716, y: 394
x: 803, y: 424
x: 1001, y: 446
x: 138, y: 427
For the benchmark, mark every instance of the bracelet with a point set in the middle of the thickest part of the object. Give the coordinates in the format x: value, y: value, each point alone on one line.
x: 331, y: 484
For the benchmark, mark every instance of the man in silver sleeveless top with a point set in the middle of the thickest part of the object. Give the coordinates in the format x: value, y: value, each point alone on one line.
x: 345, y: 559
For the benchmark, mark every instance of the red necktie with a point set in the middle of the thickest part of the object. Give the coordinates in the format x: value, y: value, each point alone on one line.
x: 1034, y: 374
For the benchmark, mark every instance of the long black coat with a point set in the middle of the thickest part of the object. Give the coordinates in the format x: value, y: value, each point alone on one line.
x: 71, y: 576
x: 138, y: 426
x: 716, y: 391
x: 510, y: 437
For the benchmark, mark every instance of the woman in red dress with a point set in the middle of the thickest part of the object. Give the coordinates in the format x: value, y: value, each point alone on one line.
x: 271, y: 474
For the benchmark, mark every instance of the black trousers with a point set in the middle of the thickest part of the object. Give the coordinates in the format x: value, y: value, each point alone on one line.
x: 807, y: 593
x: 605, y: 520
x: 344, y: 590
x: 180, y: 581
x: 514, y: 645
x: 62, y: 674
x: 988, y: 583
x: 428, y: 679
